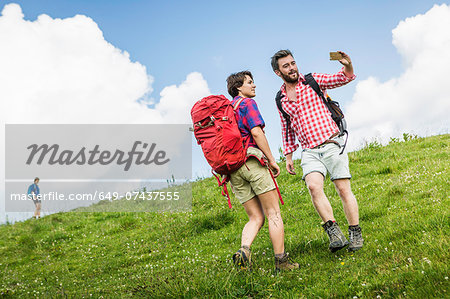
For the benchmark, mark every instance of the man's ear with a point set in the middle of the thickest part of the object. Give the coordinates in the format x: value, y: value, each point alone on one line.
x: 278, y: 73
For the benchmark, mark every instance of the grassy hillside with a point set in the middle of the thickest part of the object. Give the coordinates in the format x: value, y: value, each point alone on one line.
x: 403, y: 195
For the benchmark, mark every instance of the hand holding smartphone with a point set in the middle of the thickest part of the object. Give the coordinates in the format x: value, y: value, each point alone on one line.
x: 335, y: 56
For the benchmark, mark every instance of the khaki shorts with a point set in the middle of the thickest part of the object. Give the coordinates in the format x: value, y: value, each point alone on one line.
x: 326, y: 159
x: 250, y: 180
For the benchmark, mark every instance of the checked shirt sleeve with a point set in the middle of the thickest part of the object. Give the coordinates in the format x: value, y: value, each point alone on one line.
x: 289, y: 146
x: 252, y: 117
x: 330, y: 81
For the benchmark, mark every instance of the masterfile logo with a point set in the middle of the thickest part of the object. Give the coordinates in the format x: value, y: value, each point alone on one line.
x: 93, y: 152
x: 84, y: 156
x: 85, y: 164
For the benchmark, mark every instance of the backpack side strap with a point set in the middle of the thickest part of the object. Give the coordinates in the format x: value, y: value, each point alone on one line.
x: 276, y: 186
x: 223, y: 183
x: 286, y: 116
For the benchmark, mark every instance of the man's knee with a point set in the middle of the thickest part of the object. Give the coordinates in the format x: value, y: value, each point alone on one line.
x: 315, y: 185
x: 346, y: 195
x: 344, y: 190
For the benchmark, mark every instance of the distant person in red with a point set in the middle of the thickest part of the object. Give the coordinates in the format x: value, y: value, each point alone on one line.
x: 34, y: 194
x: 252, y: 184
x: 311, y: 124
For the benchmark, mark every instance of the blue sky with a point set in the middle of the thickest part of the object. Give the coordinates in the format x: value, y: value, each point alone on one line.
x: 172, y: 39
x: 216, y: 38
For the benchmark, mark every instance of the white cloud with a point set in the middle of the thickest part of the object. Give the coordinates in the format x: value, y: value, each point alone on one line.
x: 176, y: 102
x: 64, y: 71
x: 418, y: 100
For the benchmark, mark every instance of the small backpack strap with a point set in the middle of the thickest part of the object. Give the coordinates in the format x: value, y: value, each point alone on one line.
x: 225, y: 191
x: 223, y: 183
x: 286, y: 116
x: 345, y: 143
x: 276, y: 186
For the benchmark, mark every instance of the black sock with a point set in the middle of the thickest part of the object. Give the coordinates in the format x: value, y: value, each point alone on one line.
x: 329, y: 223
x: 354, y: 227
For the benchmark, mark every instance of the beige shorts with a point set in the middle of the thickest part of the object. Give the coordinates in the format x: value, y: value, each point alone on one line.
x: 250, y: 180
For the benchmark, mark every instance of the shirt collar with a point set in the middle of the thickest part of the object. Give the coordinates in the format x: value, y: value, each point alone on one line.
x: 301, y: 79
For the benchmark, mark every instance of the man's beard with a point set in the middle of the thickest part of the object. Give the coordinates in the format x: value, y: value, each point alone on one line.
x: 289, y: 79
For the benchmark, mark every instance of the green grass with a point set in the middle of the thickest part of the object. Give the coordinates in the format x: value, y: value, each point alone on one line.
x: 403, y: 195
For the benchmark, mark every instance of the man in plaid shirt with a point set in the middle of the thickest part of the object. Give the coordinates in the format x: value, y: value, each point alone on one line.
x: 311, y: 123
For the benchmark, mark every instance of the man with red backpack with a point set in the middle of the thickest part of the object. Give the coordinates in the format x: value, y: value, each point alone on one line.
x: 305, y: 116
x: 252, y: 183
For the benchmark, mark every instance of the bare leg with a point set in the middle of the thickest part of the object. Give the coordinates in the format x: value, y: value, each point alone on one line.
x: 255, y: 221
x: 314, y: 182
x: 37, y: 212
x: 348, y: 200
x: 271, y: 207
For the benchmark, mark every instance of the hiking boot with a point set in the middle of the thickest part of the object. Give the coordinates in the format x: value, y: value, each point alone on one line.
x: 337, y: 238
x: 355, y: 237
x: 285, y: 263
x: 242, y: 259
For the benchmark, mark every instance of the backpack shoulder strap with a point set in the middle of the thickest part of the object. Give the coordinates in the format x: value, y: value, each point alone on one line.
x: 286, y: 116
x: 278, y: 98
x: 237, y: 103
x: 309, y: 80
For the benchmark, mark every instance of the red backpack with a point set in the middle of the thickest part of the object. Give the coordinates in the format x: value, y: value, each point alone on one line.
x: 217, y: 132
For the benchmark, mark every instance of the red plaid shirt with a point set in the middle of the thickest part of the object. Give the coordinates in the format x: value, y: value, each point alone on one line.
x: 311, y: 121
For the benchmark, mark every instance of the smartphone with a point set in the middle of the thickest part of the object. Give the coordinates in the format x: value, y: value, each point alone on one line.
x: 335, y: 56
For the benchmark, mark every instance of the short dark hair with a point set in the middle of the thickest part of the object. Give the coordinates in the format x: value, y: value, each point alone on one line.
x: 278, y: 55
x: 235, y: 80
x: 36, y: 179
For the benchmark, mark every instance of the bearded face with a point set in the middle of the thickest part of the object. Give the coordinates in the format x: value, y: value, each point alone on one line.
x: 291, y: 77
x: 288, y: 69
